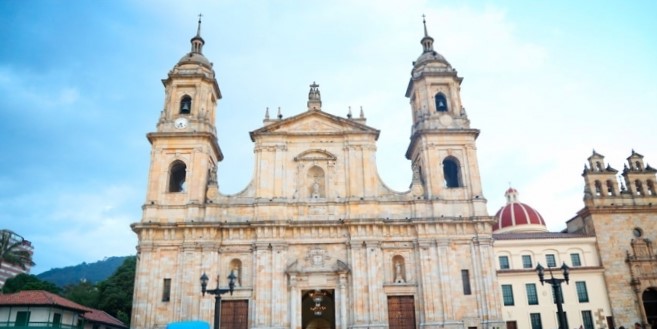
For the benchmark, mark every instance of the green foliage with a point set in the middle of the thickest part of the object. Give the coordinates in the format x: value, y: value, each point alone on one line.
x: 115, y: 293
x: 28, y: 282
x: 83, y: 293
x: 92, y: 272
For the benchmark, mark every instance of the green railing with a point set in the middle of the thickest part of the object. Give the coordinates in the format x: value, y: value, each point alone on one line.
x: 37, y: 325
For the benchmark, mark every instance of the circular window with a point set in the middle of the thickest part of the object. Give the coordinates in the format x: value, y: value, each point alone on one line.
x: 637, y: 232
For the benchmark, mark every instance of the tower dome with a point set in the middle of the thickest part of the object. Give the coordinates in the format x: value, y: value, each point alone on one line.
x: 429, y: 55
x: 195, y: 56
x: 517, y: 217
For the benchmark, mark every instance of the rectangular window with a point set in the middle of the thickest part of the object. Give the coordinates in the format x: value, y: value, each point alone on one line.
x: 465, y: 277
x: 550, y: 260
x: 57, y: 320
x: 532, y: 296
x: 535, y: 319
x: 22, y: 318
x: 574, y: 260
x: 527, y: 261
x: 507, y: 294
x: 582, y: 292
x: 587, y: 319
x: 504, y: 262
x: 557, y: 291
x: 166, y: 290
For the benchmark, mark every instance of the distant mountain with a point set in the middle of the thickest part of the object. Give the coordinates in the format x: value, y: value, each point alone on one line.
x: 93, y: 272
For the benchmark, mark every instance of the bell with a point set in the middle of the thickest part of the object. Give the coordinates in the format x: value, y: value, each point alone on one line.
x: 185, y: 107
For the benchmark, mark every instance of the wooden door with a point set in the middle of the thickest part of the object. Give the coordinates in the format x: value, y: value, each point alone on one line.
x: 511, y: 325
x: 401, y: 312
x: 234, y: 314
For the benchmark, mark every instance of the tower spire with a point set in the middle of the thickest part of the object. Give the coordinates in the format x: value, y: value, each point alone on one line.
x: 197, y: 41
x: 198, y: 29
x: 424, y: 22
x: 427, y: 41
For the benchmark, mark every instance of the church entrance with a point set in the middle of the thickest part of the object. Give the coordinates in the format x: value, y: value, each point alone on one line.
x: 318, y: 309
x: 235, y: 314
x: 401, y: 312
x: 650, y: 306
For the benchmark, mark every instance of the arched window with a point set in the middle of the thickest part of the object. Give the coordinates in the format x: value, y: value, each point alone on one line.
x: 452, y: 172
x: 177, y: 175
x: 610, y: 188
x: 185, y: 105
x: 316, y: 182
x: 441, y: 102
x: 598, y: 188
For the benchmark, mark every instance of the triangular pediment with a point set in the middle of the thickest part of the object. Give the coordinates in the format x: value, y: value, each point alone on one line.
x: 315, y: 122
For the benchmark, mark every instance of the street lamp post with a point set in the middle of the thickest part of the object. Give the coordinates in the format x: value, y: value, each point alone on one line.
x: 217, y: 292
x: 556, y: 289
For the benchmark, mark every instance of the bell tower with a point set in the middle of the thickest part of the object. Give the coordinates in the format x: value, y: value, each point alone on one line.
x: 185, y: 151
x: 442, y: 147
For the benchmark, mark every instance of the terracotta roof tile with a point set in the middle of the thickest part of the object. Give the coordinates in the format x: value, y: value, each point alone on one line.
x: 42, y: 298
x: 101, y: 316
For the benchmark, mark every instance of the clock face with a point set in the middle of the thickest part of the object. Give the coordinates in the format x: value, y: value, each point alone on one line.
x: 180, y: 123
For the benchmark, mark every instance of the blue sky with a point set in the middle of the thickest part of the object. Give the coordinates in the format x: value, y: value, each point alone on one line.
x: 546, y: 82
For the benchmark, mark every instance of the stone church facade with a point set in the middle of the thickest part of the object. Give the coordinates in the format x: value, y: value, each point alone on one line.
x: 316, y: 239
x: 622, y: 215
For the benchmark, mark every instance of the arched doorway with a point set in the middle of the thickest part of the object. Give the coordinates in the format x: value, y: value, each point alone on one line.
x: 650, y: 305
x: 318, y: 309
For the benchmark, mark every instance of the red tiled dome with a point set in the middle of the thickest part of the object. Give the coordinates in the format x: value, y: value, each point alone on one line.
x: 516, y: 216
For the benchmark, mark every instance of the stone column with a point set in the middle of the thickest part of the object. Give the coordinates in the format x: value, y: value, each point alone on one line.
x: 262, y: 286
x: 359, y: 286
x: 294, y: 302
x: 279, y: 308
x: 342, y: 296
x: 444, y: 278
x: 428, y: 284
x: 375, y: 283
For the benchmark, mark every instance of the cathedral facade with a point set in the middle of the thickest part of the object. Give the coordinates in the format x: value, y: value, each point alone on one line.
x: 316, y: 239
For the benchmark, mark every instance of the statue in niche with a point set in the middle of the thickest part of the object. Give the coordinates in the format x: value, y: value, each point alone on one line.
x: 399, y: 273
x: 236, y: 272
x: 315, y: 189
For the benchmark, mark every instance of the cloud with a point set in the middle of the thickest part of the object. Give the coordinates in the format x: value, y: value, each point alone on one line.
x: 38, y: 93
x: 70, y: 226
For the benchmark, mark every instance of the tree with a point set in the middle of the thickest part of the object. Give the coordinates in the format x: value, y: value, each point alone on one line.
x: 12, y: 251
x: 28, y: 282
x: 83, y: 293
x: 115, y: 293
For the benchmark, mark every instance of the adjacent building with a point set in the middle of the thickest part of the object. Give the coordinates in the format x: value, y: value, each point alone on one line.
x: 522, y: 241
x: 16, y: 243
x: 42, y: 309
x: 622, y: 215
